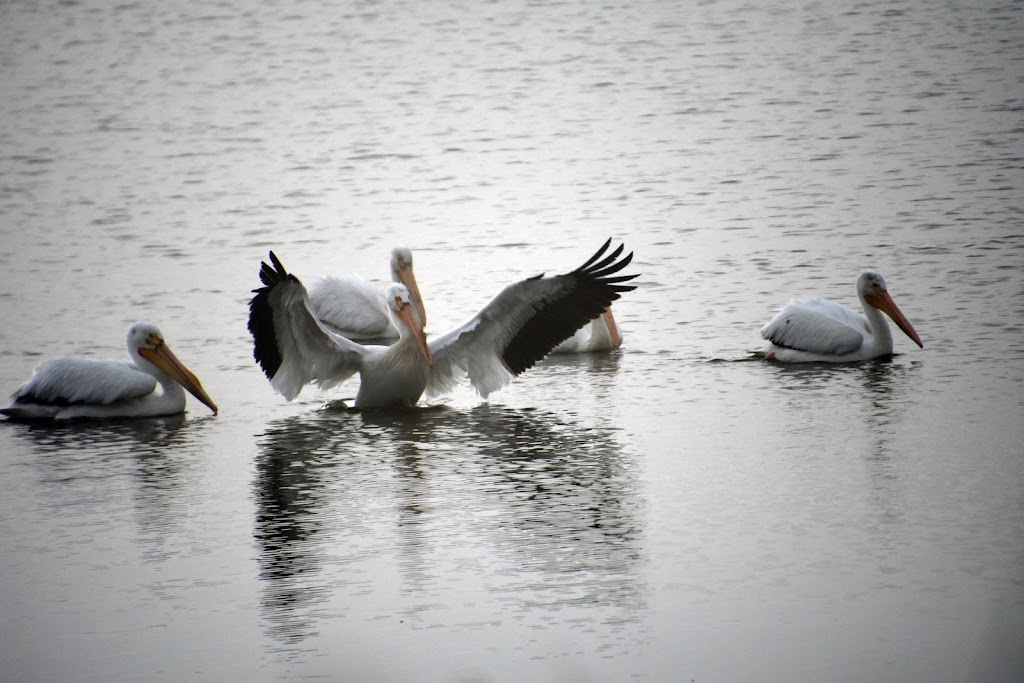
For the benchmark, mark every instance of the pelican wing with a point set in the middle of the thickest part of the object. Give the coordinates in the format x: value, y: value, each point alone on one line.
x: 352, y: 306
x: 816, y: 326
x: 525, y: 322
x: 289, y: 343
x: 64, y: 381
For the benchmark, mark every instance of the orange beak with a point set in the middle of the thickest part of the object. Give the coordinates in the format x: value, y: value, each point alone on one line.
x: 613, y: 329
x: 163, y: 358
x: 407, y: 278
x: 881, y: 300
x: 406, y: 315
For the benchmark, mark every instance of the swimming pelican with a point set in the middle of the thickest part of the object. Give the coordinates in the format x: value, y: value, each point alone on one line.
x: 816, y: 330
x: 356, y: 308
x: 509, y: 335
x: 602, y: 334
x: 65, y: 388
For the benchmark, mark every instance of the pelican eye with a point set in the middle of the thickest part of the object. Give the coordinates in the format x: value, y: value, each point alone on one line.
x: 399, y: 304
x: 154, y: 340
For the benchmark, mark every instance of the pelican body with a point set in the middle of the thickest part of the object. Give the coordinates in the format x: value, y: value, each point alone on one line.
x: 356, y: 308
x: 817, y: 330
x: 602, y: 334
x: 521, y: 325
x: 67, y: 388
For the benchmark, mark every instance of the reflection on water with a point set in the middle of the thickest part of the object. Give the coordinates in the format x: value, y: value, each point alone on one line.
x: 887, y: 386
x: 886, y: 396
x: 567, y: 508
x: 150, y: 434
x: 69, y: 453
x: 291, y: 476
x: 81, y: 464
x: 876, y: 395
x: 865, y: 426
x: 556, y: 503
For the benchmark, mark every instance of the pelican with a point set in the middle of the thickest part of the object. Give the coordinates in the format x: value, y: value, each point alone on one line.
x: 816, y: 330
x: 509, y: 335
x: 66, y: 388
x: 602, y: 334
x: 356, y: 308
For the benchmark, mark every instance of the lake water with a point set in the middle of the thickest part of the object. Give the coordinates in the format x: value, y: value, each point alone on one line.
x: 661, y: 513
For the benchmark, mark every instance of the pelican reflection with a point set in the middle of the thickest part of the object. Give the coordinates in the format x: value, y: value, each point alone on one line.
x: 551, y: 504
x: 76, y: 460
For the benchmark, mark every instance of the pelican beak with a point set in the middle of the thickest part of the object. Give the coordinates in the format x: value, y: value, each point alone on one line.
x: 881, y: 300
x: 613, y: 329
x: 408, y: 278
x: 407, y: 316
x: 163, y: 358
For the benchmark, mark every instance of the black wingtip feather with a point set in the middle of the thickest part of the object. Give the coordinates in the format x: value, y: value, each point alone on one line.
x: 597, y: 255
x: 595, y: 287
x: 610, y: 259
x: 261, y: 317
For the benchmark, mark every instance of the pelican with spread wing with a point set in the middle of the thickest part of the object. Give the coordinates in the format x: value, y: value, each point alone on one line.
x: 65, y: 388
x: 520, y: 326
x: 818, y: 330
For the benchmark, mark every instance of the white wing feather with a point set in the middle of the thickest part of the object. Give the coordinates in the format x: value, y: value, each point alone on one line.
x: 309, y: 352
x: 352, y: 306
x: 475, y: 348
x: 817, y: 326
x: 85, y: 380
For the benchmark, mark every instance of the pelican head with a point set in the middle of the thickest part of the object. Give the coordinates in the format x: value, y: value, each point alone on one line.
x: 401, y: 258
x: 872, y: 291
x: 401, y: 309
x: 147, y: 348
x: 401, y: 271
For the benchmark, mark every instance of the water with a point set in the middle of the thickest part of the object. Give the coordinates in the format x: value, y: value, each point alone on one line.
x: 661, y: 513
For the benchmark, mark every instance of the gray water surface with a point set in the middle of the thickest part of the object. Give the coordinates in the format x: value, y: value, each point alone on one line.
x: 672, y: 511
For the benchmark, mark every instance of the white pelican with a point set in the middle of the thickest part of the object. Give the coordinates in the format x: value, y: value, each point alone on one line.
x: 816, y: 330
x: 509, y: 335
x: 65, y: 388
x: 602, y: 334
x: 356, y: 308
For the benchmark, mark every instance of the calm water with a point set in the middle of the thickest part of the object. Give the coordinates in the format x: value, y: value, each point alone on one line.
x: 660, y: 513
